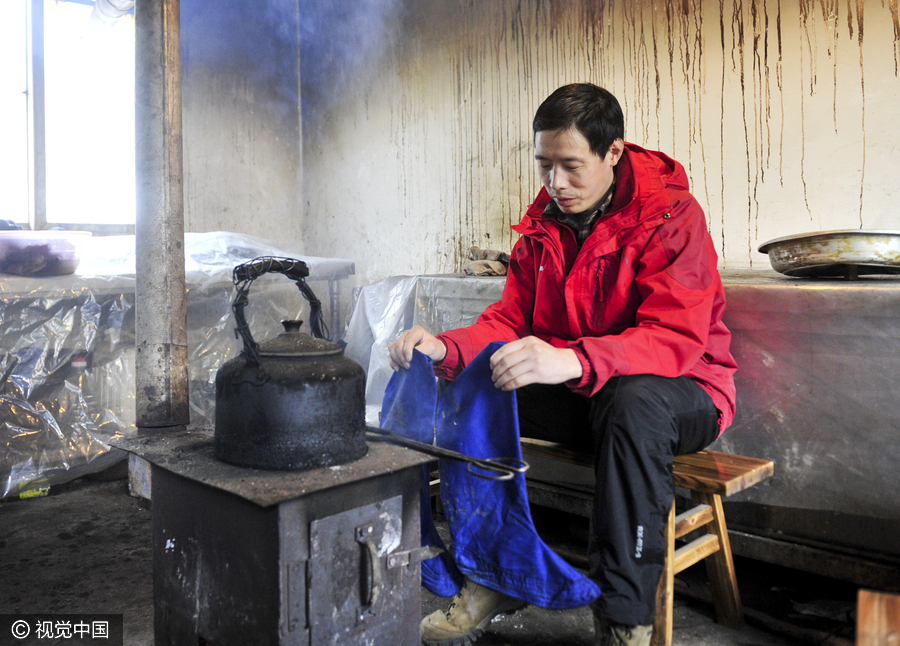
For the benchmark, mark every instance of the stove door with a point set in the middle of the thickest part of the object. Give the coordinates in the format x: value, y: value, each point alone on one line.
x: 359, y: 590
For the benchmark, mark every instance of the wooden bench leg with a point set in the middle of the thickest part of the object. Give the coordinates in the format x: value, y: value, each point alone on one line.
x: 877, y: 618
x: 665, y: 592
x: 720, y: 566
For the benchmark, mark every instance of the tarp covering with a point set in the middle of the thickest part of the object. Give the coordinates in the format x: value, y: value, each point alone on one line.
x: 67, y: 343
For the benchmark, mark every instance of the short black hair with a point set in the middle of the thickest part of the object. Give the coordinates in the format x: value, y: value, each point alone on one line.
x: 594, y: 111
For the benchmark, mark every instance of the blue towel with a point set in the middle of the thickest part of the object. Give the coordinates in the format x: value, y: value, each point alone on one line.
x: 494, y: 542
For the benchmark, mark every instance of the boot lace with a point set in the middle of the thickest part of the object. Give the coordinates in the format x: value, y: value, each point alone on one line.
x: 454, y: 602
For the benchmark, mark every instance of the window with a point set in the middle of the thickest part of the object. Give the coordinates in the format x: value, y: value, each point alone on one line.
x: 14, y: 190
x: 79, y: 117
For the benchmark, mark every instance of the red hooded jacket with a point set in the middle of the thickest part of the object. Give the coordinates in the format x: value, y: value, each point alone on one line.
x: 642, y: 295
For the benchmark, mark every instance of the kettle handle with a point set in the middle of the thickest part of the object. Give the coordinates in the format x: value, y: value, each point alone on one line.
x: 244, y: 275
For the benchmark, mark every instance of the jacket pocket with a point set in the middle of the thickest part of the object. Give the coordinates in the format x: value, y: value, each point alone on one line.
x: 601, y: 284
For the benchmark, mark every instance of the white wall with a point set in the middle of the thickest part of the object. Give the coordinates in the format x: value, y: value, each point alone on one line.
x: 417, y: 143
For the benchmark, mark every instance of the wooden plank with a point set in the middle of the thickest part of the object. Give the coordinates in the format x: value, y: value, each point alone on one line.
x: 710, y: 471
x: 665, y: 591
x: 692, y: 519
x: 877, y: 618
x: 695, y: 551
x: 720, y: 566
x: 556, y: 451
x: 720, y: 473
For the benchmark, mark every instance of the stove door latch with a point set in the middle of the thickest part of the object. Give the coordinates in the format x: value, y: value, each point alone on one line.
x: 365, y: 536
x: 413, y: 556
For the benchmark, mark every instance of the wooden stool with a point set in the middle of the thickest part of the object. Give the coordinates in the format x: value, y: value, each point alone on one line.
x: 708, y: 475
x: 877, y: 618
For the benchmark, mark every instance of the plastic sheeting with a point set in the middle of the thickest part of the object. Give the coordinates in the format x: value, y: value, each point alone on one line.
x: 385, y: 309
x: 58, y: 414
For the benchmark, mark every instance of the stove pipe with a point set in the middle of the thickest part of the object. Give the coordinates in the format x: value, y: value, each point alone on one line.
x: 161, y: 313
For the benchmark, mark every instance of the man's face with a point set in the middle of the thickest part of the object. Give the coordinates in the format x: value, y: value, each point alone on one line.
x: 576, y: 178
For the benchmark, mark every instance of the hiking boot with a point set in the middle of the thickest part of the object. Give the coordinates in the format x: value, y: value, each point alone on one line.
x: 470, y: 611
x: 608, y: 633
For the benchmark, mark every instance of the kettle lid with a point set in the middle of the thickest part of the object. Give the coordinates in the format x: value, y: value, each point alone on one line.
x: 294, y: 343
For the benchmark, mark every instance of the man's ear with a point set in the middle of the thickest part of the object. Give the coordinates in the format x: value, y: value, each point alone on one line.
x: 616, y: 149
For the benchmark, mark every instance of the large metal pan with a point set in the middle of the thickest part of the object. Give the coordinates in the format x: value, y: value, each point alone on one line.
x: 849, y: 253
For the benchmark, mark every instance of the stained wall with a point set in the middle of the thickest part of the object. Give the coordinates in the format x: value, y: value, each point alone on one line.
x: 416, y: 116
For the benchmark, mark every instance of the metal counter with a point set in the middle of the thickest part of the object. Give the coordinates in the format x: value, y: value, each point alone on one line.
x: 818, y: 366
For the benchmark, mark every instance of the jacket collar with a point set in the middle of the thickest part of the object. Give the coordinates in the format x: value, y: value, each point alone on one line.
x: 642, y: 177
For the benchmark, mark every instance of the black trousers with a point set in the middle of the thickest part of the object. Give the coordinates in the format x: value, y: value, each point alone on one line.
x: 634, y: 426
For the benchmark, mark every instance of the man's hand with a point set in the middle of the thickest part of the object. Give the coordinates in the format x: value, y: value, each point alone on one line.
x: 532, y: 361
x: 401, y: 350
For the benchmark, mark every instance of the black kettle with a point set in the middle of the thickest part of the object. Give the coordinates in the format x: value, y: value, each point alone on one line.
x: 294, y: 402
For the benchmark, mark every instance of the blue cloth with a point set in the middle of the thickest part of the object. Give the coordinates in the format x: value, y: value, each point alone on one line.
x: 408, y: 409
x: 494, y: 542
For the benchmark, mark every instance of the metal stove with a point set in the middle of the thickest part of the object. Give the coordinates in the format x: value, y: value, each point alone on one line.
x: 244, y: 556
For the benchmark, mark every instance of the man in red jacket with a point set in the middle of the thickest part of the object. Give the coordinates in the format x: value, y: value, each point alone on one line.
x: 612, y: 313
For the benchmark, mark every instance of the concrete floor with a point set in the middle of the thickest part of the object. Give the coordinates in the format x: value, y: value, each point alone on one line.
x: 86, y: 549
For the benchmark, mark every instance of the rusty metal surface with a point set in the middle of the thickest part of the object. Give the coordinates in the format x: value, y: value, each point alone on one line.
x: 849, y: 253
x: 816, y: 384
x: 216, y: 568
x: 355, y: 596
x: 190, y: 454
x: 238, y: 553
x: 161, y: 323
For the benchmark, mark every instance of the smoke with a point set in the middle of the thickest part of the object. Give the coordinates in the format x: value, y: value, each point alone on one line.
x: 254, y: 42
x: 342, y: 44
x: 339, y: 45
